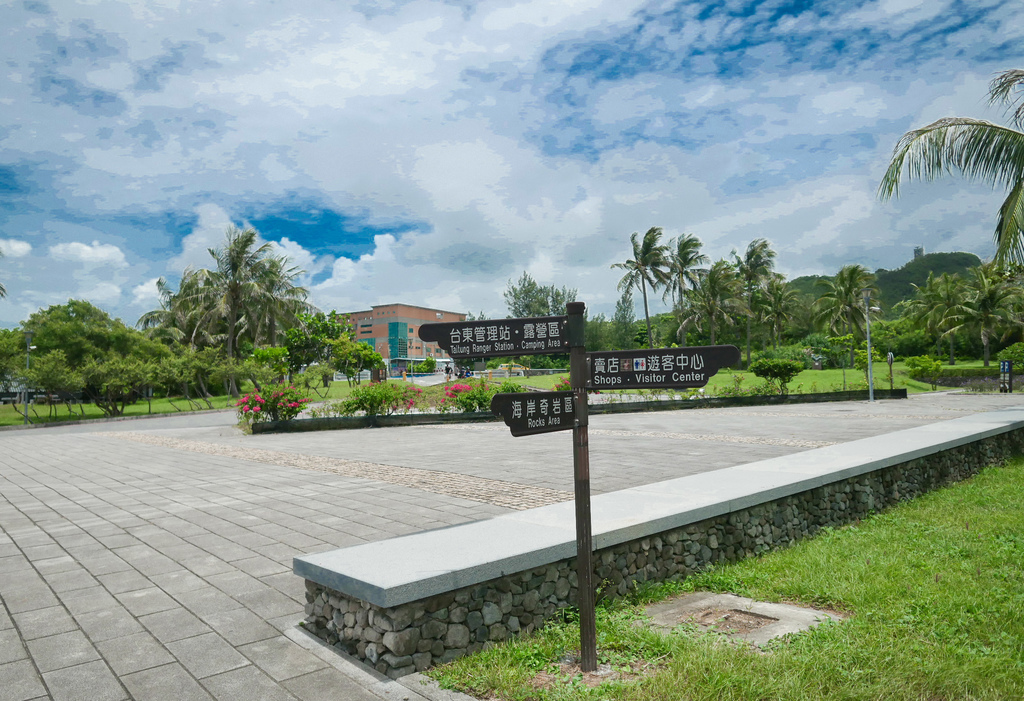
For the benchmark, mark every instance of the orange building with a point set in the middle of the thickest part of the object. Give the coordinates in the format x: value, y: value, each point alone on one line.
x: 391, y: 330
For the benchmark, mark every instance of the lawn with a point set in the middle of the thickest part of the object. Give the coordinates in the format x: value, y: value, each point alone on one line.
x: 933, y: 591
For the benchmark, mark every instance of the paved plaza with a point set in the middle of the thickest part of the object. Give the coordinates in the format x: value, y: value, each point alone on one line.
x: 151, y: 558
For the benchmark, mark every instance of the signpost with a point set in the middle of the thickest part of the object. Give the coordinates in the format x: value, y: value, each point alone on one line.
x: 670, y: 368
x: 499, y: 337
x: 1006, y: 376
x: 529, y: 413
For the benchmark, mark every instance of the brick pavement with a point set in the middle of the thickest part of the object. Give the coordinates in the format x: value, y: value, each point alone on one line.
x: 134, y: 570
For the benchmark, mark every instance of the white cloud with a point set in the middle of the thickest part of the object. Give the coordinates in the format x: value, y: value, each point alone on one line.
x: 14, y: 248
x: 146, y: 293
x: 94, y: 254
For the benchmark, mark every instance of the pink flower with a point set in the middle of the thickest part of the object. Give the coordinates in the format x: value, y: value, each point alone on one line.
x: 246, y: 410
x: 255, y: 408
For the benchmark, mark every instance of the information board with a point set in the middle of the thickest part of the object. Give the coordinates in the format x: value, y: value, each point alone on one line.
x: 499, y: 337
x: 527, y: 413
x: 670, y: 368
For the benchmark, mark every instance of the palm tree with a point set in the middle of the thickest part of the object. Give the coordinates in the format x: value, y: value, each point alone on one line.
x: 684, y: 267
x: 979, y: 150
x: 715, y: 298
x: 936, y: 304
x: 179, y: 319
x: 840, y: 308
x: 242, y: 288
x: 777, y: 306
x: 993, y: 304
x: 754, y: 267
x: 279, y: 304
x: 648, y: 266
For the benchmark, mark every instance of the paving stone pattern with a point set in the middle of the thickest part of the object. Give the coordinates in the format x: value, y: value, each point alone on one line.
x: 120, y: 559
x: 490, y: 491
x: 136, y: 571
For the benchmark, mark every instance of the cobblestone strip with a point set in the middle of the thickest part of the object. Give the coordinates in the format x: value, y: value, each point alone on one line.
x: 847, y: 414
x: 750, y: 440
x: 756, y: 440
x: 510, y: 495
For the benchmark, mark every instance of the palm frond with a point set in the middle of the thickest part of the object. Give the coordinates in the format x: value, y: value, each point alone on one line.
x: 1001, y: 90
x: 978, y: 149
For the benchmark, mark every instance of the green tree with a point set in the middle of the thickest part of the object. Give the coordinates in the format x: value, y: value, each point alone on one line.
x: 992, y: 306
x: 935, y: 306
x: 647, y: 268
x: 685, y: 261
x: 115, y: 382
x: 622, y: 321
x: 979, y: 150
x: 715, y: 299
x: 527, y: 298
x: 179, y: 319
x: 12, y: 356
x: 840, y: 307
x: 52, y: 374
x: 83, y: 332
x: 754, y: 267
x: 245, y: 285
x: 311, y: 341
x: 777, y: 307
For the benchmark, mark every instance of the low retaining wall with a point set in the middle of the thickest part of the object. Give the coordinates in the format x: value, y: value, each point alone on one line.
x: 345, y: 422
x: 424, y: 611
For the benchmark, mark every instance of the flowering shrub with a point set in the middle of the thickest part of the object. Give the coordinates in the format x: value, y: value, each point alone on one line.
x: 464, y: 398
x: 563, y: 385
x: 380, y: 399
x: 275, y: 403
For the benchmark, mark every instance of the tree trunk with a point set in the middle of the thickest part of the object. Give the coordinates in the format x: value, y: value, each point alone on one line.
x: 952, y: 360
x: 984, y: 343
x: 647, y: 315
x: 750, y: 299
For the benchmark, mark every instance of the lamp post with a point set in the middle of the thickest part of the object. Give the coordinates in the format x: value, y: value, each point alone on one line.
x: 28, y: 366
x: 867, y: 324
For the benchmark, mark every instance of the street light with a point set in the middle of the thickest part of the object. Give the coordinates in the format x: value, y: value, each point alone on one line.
x: 28, y: 366
x: 867, y: 320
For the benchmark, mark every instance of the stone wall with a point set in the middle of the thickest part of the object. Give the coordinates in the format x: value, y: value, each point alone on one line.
x: 413, y: 636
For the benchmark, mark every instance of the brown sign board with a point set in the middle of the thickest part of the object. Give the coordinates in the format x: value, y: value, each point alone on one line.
x: 499, y: 337
x: 527, y: 413
x: 658, y: 368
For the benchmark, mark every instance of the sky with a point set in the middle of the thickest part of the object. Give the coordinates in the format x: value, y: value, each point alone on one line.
x: 427, y: 152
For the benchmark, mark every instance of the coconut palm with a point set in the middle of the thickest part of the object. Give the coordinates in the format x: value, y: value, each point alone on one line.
x: 684, y: 267
x: 935, y: 305
x: 979, y: 150
x: 715, y: 299
x: 754, y: 268
x: 993, y: 304
x: 778, y: 305
x: 648, y: 267
x: 279, y: 304
x: 840, y: 307
x: 179, y: 319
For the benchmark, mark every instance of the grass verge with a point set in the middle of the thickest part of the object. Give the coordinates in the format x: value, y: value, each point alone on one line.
x: 934, y: 590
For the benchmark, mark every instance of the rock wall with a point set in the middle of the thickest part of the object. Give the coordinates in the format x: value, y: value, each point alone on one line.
x: 411, y: 637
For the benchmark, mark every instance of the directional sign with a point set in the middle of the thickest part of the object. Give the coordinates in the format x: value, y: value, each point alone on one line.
x: 527, y: 413
x: 499, y: 337
x: 671, y: 368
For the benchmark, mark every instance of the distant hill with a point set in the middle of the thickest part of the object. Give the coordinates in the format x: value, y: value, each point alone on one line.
x: 894, y: 286
x: 807, y: 284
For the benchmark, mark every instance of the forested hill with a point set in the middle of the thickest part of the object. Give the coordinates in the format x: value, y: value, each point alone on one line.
x: 896, y: 285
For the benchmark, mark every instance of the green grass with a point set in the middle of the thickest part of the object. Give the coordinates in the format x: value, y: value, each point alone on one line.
x: 934, y: 591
